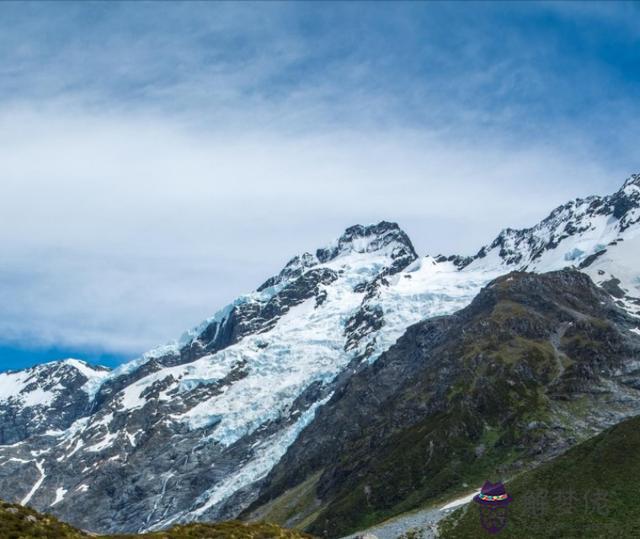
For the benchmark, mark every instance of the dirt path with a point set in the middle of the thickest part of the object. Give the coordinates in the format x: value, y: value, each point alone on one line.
x: 424, y: 520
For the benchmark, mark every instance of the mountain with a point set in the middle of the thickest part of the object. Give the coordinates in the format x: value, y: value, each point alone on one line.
x: 19, y: 522
x: 577, y: 232
x: 193, y: 430
x: 213, y: 412
x: 46, y: 397
x: 589, y: 491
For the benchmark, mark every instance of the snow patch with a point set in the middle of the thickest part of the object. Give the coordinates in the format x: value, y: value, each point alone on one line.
x: 36, y: 485
x: 60, y: 492
x: 95, y: 376
x: 459, y: 501
x: 107, y: 441
x: 15, y: 386
x: 16, y: 459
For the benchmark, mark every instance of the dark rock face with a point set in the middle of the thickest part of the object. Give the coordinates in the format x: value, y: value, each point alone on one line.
x: 612, y: 286
x: 504, y: 374
x: 457, y: 260
x: 294, y: 269
x: 367, y: 239
x: 624, y: 201
x: 367, y: 320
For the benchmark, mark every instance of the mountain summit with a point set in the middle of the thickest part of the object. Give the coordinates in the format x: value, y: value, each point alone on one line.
x: 575, y: 233
x: 384, y: 238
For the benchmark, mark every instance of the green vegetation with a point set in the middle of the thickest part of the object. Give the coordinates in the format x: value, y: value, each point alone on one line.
x: 506, y: 310
x: 295, y: 508
x: 224, y: 530
x: 18, y: 522
x: 498, y: 409
x: 431, y: 461
x: 592, y: 490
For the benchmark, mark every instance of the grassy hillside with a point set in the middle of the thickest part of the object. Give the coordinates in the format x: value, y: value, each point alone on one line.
x: 18, y: 522
x: 592, y: 490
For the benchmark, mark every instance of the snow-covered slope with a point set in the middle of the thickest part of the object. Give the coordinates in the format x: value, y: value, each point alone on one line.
x: 234, y: 391
x: 47, y: 396
x: 188, y: 430
x: 578, y: 234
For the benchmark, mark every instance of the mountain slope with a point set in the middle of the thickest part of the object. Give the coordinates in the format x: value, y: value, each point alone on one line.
x: 190, y: 430
x: 592, y: 490
x: 534, y: 363
x: 49, y: 396
x: 600, y: 235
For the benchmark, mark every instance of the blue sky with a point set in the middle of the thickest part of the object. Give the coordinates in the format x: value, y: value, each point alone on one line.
x: 159, y: 159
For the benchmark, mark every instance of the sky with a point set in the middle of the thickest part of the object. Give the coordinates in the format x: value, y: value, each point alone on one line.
x: 159, y: 159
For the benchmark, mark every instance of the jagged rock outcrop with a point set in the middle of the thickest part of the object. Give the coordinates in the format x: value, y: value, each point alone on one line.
x: 604, y: 219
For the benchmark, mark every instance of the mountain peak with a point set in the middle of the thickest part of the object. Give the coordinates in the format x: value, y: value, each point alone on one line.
x: 625, y: 203
x: 384, y: 237
x: 575, y: 231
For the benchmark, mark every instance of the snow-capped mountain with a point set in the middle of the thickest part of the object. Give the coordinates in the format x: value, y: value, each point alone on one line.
x: 188, y: 431
x: 46, y: 397
x: 579, y: 234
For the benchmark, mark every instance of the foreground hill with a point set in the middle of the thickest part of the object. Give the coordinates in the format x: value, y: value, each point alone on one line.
x: 19, y: 522
x: 592, y: 490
